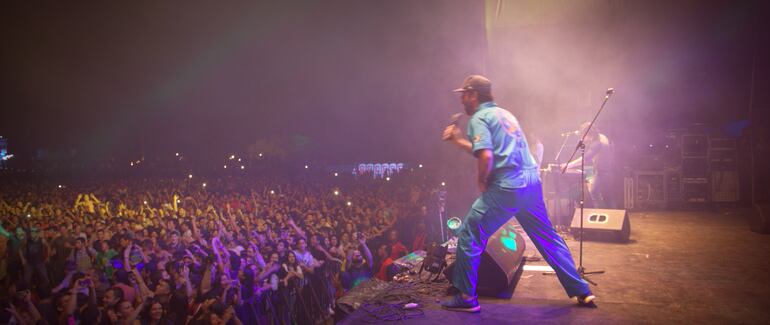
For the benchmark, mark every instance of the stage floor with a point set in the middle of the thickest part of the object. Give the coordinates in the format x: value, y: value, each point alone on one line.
x: 679, y: 267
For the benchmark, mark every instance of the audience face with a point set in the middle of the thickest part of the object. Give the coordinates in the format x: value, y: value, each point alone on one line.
x: 156, y: 311
x: 358, y: 259
x: 125, y: 309
x: 382, y: 252
x: 110, y: 299
x: 291, y: 258
x: 274, y: 258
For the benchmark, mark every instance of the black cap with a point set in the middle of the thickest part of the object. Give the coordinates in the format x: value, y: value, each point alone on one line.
x: 476, y: 82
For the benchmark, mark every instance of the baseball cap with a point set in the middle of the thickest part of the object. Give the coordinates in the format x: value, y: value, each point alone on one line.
x: 476, y: 82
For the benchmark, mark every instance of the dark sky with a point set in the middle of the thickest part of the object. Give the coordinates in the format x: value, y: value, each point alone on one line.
x: 364, y: 80
x: 359, y: 78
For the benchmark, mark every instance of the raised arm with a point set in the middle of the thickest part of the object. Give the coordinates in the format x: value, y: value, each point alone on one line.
x: 297, y: 229
x: 185, y: 273
x: 143, y: 289
x: 366, y: 251
x: 206, y: 279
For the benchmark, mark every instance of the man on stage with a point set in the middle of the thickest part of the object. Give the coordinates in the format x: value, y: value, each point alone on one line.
x: 601, y: 176
x: 510, y: 186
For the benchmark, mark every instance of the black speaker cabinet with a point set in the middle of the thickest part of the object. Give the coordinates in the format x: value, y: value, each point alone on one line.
x: 597, y: 223
x: 501, y: 264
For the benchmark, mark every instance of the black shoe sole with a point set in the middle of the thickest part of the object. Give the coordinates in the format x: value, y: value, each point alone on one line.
x: 464, y: 309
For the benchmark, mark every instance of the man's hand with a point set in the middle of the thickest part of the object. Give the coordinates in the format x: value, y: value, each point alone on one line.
x: 185, y: 272
x: 451, y: 133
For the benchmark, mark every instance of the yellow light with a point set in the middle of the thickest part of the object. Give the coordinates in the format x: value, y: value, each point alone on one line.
x: 336, y: 192
x: 145, y: 202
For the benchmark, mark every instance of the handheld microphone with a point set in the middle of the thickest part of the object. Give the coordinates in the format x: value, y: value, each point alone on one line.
x: 455, y: 119
x: 609, y: 93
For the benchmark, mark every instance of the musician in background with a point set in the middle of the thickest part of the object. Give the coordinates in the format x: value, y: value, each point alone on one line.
x: 599, y: 169
x: 536, y: 148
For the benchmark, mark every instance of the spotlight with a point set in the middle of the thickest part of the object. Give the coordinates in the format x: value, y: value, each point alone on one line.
x: 239, y: 159
x: 189, y: 176
x: 242, y: 167
x: 232, y: 157
x: 336, y: 192
x: 177, y: 154
x: 443, y: 184
x: 335, y: 174
x: 306, y: 166
x: 132, y: 164
x: 204, y: 185
x: 260, y: 154
x: 60, y: 186
x: 272, y: 192
x: 145, y: 202
x: 454, y: 223
x: 349, y: 203
x: 178, y: 201
x: 225, y: 166
x: 420, y: 165
x: 387, y: 178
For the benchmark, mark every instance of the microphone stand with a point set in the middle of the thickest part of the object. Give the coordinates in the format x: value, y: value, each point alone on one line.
x: 582, y: 148
x: 563, y: 144
x: 557, y: 185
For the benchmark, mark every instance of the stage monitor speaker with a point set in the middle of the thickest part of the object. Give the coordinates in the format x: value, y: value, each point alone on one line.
x: 501, y: 263
x: 600, y: 222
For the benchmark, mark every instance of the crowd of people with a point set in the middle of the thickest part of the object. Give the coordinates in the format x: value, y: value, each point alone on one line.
x: 220, y: 251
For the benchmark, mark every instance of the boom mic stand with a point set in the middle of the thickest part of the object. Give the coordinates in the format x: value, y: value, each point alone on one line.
x: 582, y: 148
